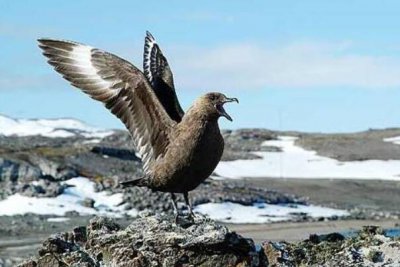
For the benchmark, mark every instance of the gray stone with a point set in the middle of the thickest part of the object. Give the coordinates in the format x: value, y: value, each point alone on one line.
x: 88, y: 202
x: 366, y: 248
x: 147, y: 241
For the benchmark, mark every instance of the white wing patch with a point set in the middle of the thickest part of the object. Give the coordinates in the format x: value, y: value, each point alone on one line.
x: 83, y: 55
x: 101, y: 75
x: 149, y: 45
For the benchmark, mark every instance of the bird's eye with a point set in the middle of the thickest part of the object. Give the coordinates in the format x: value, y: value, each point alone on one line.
x: 213, y: 97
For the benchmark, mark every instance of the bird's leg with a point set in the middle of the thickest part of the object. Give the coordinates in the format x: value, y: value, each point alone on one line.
x: 188, y: 204
x: 175, y: 207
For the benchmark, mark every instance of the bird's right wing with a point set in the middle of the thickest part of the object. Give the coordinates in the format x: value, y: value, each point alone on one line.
x: 159, y: 74
x: 121, y: 87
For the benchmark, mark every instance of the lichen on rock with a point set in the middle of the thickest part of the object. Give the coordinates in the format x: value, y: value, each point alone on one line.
x: 154, y: 240
x: 368, y: 247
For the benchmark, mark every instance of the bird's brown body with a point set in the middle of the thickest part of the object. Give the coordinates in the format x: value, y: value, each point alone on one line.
x: 179, y: 151
x: 196, y: 148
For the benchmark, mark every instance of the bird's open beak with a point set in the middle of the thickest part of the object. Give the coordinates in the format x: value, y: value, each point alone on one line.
x: 222, y: 110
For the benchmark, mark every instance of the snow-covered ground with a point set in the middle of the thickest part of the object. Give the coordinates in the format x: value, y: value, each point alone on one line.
x: 58, y: 219
x: 70, y: 200
x: 394, y: 140
x: 263, y: 213
x: 109, y: 204
x: 292, y: 162
x: 296, y: 162
x: 49, y: 128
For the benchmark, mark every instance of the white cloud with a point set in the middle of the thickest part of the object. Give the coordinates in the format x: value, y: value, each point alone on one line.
x: 251, y: 66
x: 247, y: 66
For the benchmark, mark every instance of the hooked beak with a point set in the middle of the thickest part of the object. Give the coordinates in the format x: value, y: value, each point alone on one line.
x: 221, y: 109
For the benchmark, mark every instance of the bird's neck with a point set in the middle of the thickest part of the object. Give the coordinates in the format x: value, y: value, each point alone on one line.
x: 201, y: 115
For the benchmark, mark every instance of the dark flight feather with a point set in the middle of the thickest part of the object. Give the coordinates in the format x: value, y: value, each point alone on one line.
x: 159, y: 74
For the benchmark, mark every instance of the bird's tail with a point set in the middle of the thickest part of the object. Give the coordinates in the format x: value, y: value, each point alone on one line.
x: 134, y: 182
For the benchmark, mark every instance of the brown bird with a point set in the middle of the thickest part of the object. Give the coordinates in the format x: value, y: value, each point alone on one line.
x: 179, y: 151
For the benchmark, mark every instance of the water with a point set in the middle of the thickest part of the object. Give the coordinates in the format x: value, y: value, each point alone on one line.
x: 392, y: 232
x: 389, y: 232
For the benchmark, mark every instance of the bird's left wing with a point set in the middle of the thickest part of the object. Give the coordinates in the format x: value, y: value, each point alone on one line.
x: 159, y: 74
x: 121, y: 87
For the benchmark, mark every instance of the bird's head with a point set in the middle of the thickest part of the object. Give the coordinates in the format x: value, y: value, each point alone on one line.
x: 215, y: 103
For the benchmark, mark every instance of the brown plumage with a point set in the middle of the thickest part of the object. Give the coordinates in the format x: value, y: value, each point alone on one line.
x: 179, y: 151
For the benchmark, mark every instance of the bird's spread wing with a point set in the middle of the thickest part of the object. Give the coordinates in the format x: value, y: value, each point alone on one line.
x: 159, y: 74
x: 120, y: 86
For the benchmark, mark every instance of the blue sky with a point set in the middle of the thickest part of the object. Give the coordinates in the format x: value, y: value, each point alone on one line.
x: 329, y: 66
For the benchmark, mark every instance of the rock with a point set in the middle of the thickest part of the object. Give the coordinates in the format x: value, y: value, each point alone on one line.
x: 29, y: 263
x: 11, y: 263
x: 32, y: 158
x: 53, y: 170
x: 72, y: 213
x: 366, y: 248
x: 273, y: 253
x: 11, y: 170
x: 240, y: 143
x: 332, y: 237
x: 42, y: 188
x: 31, y: 190
x: 148, y: 241
x: 124, y: 154
x: 375, y: 256
x: 88, y: 202
x: 156, y: 240
x: 230, y: 154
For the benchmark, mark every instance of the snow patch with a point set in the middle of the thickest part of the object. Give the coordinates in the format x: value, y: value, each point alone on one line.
x: 394, y: 140
x: 58, y: 219
x: 110, y: 205
x: 49, y: 128
x: 70, y: 200
x: 263, y: 213
x: 296, y: 162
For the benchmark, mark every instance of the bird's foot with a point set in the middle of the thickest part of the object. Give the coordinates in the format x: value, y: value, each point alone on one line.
x: 191, y: 216
x: 184, y: 220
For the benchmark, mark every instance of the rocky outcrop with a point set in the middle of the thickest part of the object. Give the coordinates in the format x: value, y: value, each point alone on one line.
x: 148, y: 241
x: 11, y: 170
x: 369, y: 247
x: 156, y: 240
